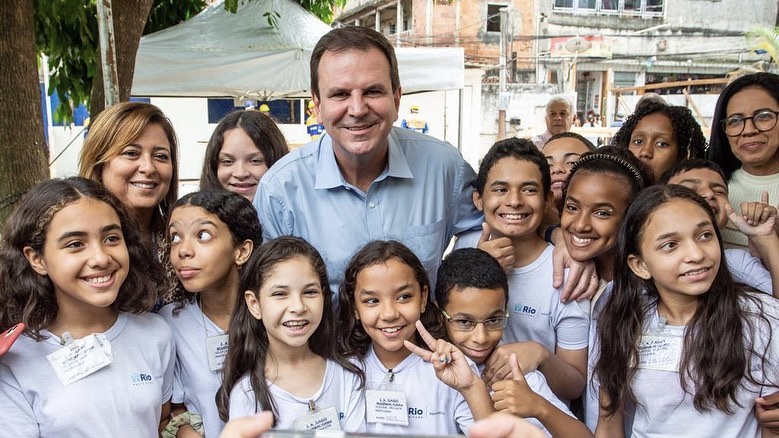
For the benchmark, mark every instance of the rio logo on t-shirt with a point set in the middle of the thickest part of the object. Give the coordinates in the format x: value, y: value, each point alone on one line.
x: 415, y: 412
x: 519, y: 309
x: 141, y: 378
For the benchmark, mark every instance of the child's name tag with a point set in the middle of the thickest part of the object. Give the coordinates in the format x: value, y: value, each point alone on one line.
x: 216, y: 347
x: 80, y: 358
x: 660, y: 353
x: 386, y: 407
x: 323, y: 419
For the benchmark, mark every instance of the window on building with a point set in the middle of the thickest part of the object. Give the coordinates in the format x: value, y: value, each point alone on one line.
x: 632, y: 6
x: 654, y: 6
x: 610, y: 6
x: 493, y: 16
x: 218, y: 108
x: 624, y: 79
x: 643, y: 8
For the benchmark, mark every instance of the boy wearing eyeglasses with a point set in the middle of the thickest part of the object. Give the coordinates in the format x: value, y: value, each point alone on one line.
x: 472, y: 295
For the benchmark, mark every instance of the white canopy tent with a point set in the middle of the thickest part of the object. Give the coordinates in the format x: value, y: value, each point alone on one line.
x: 221, y: 54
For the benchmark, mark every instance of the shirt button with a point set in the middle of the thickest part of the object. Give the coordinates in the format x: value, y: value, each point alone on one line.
x: 371, y: 205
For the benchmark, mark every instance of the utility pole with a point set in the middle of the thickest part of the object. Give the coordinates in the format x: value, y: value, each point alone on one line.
x: 505, y: 47
x: 105, y: 25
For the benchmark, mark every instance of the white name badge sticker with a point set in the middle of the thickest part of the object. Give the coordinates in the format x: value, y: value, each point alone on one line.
x: 660, y: 353
x: 216, y: 346
x: 323, y: 419
x: 80, y: 358
x: 386, y: 407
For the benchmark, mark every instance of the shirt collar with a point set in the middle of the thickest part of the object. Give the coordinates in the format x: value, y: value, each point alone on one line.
x: 328, y: 175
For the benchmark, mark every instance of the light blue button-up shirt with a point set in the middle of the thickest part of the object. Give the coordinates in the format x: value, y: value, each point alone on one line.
x: 422, y: 198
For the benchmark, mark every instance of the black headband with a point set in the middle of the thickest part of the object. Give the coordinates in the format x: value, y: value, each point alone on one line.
x: 614, y: 159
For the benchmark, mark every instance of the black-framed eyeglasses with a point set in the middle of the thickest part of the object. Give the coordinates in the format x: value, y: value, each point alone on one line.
x: 466, y: 325
x: 764, y: 120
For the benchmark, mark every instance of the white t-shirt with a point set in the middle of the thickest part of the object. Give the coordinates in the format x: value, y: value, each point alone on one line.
x: 748, y: 269
x: 433, y: 407
x: 664, y: 410
x: 123, y: 399
x: 536, y: 313
x: 340, y: 389
x: 195, y: 385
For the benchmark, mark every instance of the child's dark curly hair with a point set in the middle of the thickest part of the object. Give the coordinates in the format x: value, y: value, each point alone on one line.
x: 687, y: 131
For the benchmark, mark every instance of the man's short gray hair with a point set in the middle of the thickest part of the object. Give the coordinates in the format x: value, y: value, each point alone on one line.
x: 559, y: 99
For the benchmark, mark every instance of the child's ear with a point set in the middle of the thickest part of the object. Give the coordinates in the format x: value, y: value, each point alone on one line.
x: 424, y: 299
x: 253, y: 303
x: 637, y: 265
x: 477, y: 200
x: 243, y: 252
x: 35, y: 260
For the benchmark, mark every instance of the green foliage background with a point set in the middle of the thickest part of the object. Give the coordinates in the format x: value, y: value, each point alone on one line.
x: 66, y: 32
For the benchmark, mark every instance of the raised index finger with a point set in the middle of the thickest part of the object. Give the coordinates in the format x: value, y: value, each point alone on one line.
x: 419, y: 351
x: 425, y: 335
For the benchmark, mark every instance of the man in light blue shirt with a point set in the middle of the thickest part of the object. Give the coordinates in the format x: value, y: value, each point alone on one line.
x: 365, y: 180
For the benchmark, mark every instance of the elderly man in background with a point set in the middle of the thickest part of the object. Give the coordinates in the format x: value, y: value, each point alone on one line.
x: 559, y: 117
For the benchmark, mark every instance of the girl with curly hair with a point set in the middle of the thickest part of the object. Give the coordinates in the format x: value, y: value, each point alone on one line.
x: 661, y: 135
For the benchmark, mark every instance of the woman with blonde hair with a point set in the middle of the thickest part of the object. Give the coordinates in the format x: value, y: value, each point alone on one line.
x: 131, y: 149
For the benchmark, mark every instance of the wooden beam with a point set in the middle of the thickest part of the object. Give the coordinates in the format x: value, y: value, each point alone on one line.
x: 642, y: 88
x: 695, y: 109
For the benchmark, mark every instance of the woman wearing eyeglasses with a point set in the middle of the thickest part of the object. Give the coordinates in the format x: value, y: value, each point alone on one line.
x: 745, y: 143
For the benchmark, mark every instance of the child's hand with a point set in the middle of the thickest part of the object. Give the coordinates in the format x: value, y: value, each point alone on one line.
x: 767, y: 412
x: 757, y: 219
x: 502, y: 249
x: 582, y: 280
x: 449, y: 362
x: 248, y: 427
x: 515, y: 396
x: 498, y: 365
x: 501, y: 425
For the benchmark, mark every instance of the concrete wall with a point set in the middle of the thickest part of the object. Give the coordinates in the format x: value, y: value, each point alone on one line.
x: 527, y: 105
x: 458, y: 22
x: 686, y: 28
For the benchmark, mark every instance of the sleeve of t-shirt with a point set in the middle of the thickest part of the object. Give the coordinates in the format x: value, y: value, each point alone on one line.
x: 537, y: 382
x: 169, y: 364
x: 768, y: 335
x: 748, y: 269
x: 354, y: 405
x: 463, y: 414
x: 178, y: 388
x: 242, y: 400
x: 572, y: 324
x: 18, y: 418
